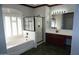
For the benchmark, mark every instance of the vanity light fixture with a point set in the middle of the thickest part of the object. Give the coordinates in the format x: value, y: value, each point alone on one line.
x: 56, y: 12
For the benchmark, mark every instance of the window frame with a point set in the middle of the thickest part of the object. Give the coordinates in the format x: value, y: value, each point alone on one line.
x: 12, y: 15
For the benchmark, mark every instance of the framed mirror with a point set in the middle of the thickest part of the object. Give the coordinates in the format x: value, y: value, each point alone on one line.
x: 62, y: 21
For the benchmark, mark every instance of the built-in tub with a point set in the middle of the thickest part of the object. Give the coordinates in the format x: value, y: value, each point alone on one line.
x: 20, y: 48
x: 18, y: 45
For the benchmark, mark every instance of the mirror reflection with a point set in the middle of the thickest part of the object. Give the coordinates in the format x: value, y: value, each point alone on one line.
x: 62, y: 21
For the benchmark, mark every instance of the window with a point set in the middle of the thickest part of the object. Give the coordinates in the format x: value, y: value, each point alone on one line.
x: 7, y: 26
x: 19, y: 25
x: 13, y: 26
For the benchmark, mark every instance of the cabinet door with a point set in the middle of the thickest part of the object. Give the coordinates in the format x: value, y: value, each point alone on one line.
x: 55, y: 39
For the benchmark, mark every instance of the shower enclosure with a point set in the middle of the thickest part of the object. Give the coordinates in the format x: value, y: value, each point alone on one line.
x: 34, y: 24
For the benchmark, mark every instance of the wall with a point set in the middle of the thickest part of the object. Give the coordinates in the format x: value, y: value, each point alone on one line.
x: 39, y: 11
x: 75, y: 36
x: 47, y: 17
x: 2, y: 35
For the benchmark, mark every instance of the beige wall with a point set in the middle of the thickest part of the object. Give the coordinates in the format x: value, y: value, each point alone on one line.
x: 39, y: 11
x: 58, y: 21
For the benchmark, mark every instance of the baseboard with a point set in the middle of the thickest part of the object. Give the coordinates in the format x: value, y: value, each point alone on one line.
x: 40, y: 42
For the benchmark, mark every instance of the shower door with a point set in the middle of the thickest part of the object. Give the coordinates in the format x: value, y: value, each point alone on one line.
x: 38, y: 24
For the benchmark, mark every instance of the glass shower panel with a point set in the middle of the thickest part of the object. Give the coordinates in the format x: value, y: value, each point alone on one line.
x: 29, y: 23
x: 32, y: 24
x: 26, y: 24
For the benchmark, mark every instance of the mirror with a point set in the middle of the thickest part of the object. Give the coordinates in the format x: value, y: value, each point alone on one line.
x: 63, y: 21
x: 53, y: 22
x: 67, y: 21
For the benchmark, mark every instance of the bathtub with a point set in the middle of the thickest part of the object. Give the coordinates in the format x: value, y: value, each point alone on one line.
x: 18, y: 45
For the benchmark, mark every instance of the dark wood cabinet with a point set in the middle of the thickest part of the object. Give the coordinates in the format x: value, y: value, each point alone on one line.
x: 56, y: 39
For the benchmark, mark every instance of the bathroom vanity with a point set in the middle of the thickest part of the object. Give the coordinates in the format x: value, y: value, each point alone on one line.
x: 60, y: 32
x: 60, y: 26
x: 57, y: 39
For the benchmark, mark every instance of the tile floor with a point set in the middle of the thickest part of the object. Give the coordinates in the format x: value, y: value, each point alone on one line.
x: 48, y: 49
